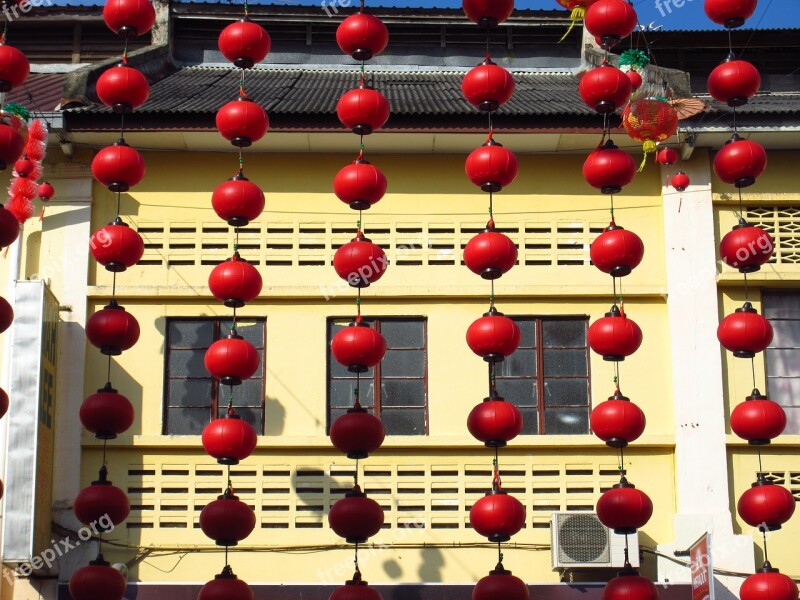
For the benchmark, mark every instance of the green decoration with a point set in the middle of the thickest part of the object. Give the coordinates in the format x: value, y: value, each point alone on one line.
x: 635, y: 59
x: 18, y: 110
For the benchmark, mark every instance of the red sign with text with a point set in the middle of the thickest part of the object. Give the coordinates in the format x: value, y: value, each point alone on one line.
x: 702, y: 571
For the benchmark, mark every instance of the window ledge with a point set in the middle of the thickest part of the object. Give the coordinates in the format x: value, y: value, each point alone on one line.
x: 783, y: 441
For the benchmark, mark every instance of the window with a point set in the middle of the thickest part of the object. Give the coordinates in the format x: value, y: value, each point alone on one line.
x: 191, y: 396
x: 548, y: 376
x: 783, y: 355
x: 397, y: 388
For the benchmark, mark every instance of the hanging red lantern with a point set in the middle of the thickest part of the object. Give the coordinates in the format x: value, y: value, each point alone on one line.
x: 667, y: 157
x: 497, y: 515
x: 123, y: 88
x: 235, y: 282
x: 356, y: 517
x: 615, y: 336
x: 116, y: 246
x: 734, y: 82
x: 629, y: 585
x: 14, y: 68
x: 97, y: 580
x: 238, y: 201
x: 357, y: 433
x: 242, y: 122
x: 604, y: 88
x: 355, y: 589
x: 649, y: 120
x: 6, y: 314
x: 740, y: 161
x: 227, y: 520
x: 768, y: 583
x: 488, y: 13
x: 495, y: 422
x: 363, y: 110
x: 3, y: 403
x: 490, y: 254
x: 758, y: 419
x: 244, y: 43
x: 500, y: 583
x: 360, y: 262
x: 616, y: 251
x: 745, y: 332
x: 360, y: 184
x: 623, y: 508
x: 362, y: 36
x: 488, y: 86
x: 112, y: 329
x: 118, y: 167
x: 746, y: 247
x: 12, y: 143
x: 608, y: 168
x: 635, y: 78
x: 617, y: 421
x: 232, y: 359
x: 129, y: 18
x: 226, y: 586
x: 766, y: 505
x: 494, y: 336
x: 730, y: 13
x: 9, y: 226
x: 358, y: 347
x: 107, y: 413
x: 229, y: 439
x: 24, y: 167
x: 680, y: 181
x: 610, y: 21
x: 46, y: 191
x: 492, y: 166
x: 101, y: 504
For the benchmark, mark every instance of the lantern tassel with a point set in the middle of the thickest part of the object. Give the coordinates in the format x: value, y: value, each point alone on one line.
x: 649, y: 147
x: 577, y: 15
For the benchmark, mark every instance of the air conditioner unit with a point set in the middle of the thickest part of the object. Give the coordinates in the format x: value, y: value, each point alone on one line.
x: 578, y: 540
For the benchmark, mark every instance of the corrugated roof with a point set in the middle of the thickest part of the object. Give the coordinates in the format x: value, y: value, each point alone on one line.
x: 760, y: 104
x: 41, y: 92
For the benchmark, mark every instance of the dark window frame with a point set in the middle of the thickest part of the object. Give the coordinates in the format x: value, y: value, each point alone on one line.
x: 780, y: 398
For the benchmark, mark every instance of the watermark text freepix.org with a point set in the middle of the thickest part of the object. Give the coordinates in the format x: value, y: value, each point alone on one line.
x: 13, y: 12
x: 665, y: 6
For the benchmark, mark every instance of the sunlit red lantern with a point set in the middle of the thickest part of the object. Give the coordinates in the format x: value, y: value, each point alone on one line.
x: 118, y: 167
x: 490, y: 254
x: 3, y: 403
x: 740, y: 161
x: 488, y: 13
x: 494, y: 336
x: 97, y: 580
x: 6, y: 314
x: 123, y: 88
x: 362, y: 36
x: 357, y: 433
x: 355, y: 589
x: 616, y: 251
x: 667, y: 156
x: 758, y: 419
x: 101, y: 504
x: 629, y: 585
x: 12, y: 143
x: 745, y: 332
x: 9, y: 226
x: 495, y: 422
x: 129, y: 18
x: 244, y: 43
x: 363, y: 110
x: 610, y: 21
x: 680, y: 181
x: 635, y: 78
x: 358, y: 347
x: 604, y: 88
x: 623, y: 508
x: 226, y: 586
x: 232, y: 359
x: 609, y: 169
x: 107, y: 413
x: 238, y: 201
x: 500, y: 583
x: 746, y: 247
x: 360, y: 262
x: 116, y: 246
x: 492, y: 166
x: 24, y: 167
x: 46, y: 191
x: 235, y: 282
x: 227, y: 520
x: 488, y: 86
x: 649, y: 120
x: 730, y: 13
x: 360, y: 184
x: 112, y: 329
x: 242, y: 122
x: 768, y: 583
x: 356, y: 517
x: 614, y: 336
x: 766, y: 505
x: 617, y: 421
x: 14, y: 68
x: 497, y: 515
x: 734, y: 82
x: 229, y: 439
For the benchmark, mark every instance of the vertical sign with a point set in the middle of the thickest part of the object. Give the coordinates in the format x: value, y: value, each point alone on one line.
x: 702, y: 569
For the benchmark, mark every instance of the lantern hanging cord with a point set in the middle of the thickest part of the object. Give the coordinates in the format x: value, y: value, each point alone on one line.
x: 226, y: 555
x: 246, y: 9
x: 753, y: 371
x: 491, y: 119
x: 355, y: 474
x: 4, y: 35
x: 122, y: 126
x: 108, y: 370
x: 105, y: 445
x: 235, y: 239
x: 119, y: 201
x: 497, y: 484
x: 499, y: 552
x: 491, y: 205
x: 621, y: 466
x: 125, y: 51
x: 760, y: 466
x: 242, y: 92
x: 360, y: 220
x: 764, y: 538
x: 746, y: 288
x: 616, y: 375
x: 730, y: 41
x: 241, y: 160
x: 355, y: 558
x: 491, y: 293
x: 614, y: 288
x: 492, y: 381
x: 358, y: 304
x: 230, y: 400
x: 612, y: 207
x: 113, y: 286
x: 488, y: 37
x: 361, y: 6
x: 230, y: 483
x: 735, y: 128
x: 741, y: 203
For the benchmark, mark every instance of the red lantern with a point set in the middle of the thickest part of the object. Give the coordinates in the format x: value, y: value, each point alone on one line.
x: 355, y: 589
x: 102, y: 504
x: 768, y: 584
x: 609, y: 169
x: 610, y: 20
x: 617, y: 421
x: 500, y: 583
x: 616, y: 251
x: 604, y: 88
x: 623, y: 508
x: 116, y: 246
x: 497, y: 515
x: 362, y: 36
x: 123, y: 88
x: 242, y: 122
x: 766, y: 505
x: 229, y: 439
x: 112, y: 329
x: 107, y: 413
x: 629, y: 585
x: 235, y: 282
x: 227, y: 520
x: 3, y: 404
x: 118, y: 167
x: 24, y: 167
x: 6, y: 314
x: 734, y: 82
x: 363, y: 110
x: 360, y: 184
x: 746, y: 247
x: 635, y: 78
x: 129, y: 18
x: 490, y: 254
x: 745, y: 332
x: 226, y: 586
x: 14, y: 68
x: 488, y: 13
x: 649, y: 120
x: 615, y: 336
x: 680, y: 181
x: 358, y: 347
x: 492, y: 166
x: 730, y: 13
x: 357, y: 433
x: 494, y: 336
x: 46, y: 191
x: 11, y: 144
x: 495, y: 422
x: 238, y: 201
x: 740, y: 161
x: 9, y: 226
x: 667, y: 157
x: 97, y: 580
x: 244, y: 43
x: 360, y: 262
x: 356, y: 517
x: 758, y: 419
x: 488, y: 86
x: 232, y: 359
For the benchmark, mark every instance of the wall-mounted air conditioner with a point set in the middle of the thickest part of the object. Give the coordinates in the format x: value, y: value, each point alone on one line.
x: 578, y: 540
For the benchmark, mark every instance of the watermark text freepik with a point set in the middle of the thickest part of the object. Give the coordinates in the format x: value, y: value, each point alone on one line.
x: 24, y: 7
x: 665, y: 6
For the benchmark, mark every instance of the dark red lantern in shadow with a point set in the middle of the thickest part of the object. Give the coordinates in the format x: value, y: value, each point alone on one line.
x: 617, y: 421
x: 355, y: 589
x: 734, y: 82
x: 232, y: 359
x: 129, y: 18
x: 488, y: 86
x: 238, y: 201
x: 616, y: 251
x: 680, y: 181
x: 229, y: 439
x: 614, y: 336
x: 495, y: 422
x: 605, y: 88
x: 112, y: 329
x: 609, y: 169
x: 745, y: 332
x: 500, y: 583
x: 610, y: 21
x: 768, y: 583
x: 14, y: 68
x: 11, y: 141
x: 360, y: 262
x: 497, y: 515
x: 244, y: 43
x: 362, y: 36
x: 123, y: 88
x: 766, y: 505
x: 9, y: 226
x: 107, y: 413
x: 758, y: 419
x: 492, y: 166
x: 358, y: 347
x: 494, y: 336
x: 3, y: 403
x: 226, y: 586
x: 746, y: 247
x: 227, y: 520
x: 101, y: 504
x: 730, y: 13
x: 667, y: 157
x: 117, y: 246
x: 242, y: 122
x: 6, y: 315
x: 356, y: 517
x: 357, y: 432
x: 490, y: 254
x: 360, y: 184
x: 488, y: 13
x: 97, y: 580
x: 363, y: 110
x: 629, y: 585
x: 623, y: 508
x: 118, y: 167
x: 740, y: 162
x: 235, y: 282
